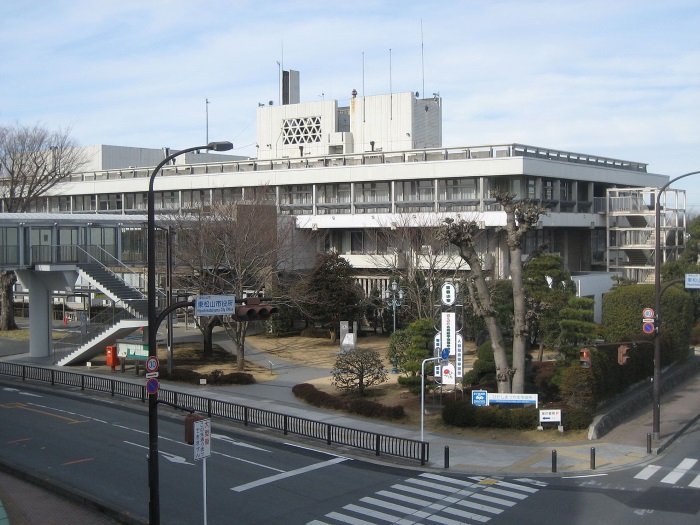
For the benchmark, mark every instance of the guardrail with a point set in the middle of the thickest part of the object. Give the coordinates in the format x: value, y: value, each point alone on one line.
x: 331, y: 434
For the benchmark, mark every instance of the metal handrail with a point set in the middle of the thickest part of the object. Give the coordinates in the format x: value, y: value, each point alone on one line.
x: 332, y: 434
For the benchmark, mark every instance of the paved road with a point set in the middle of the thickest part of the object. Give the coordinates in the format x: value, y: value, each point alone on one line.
x: 624, y: 446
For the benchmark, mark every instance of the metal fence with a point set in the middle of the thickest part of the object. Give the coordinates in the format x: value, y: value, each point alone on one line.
x: 331, y: 434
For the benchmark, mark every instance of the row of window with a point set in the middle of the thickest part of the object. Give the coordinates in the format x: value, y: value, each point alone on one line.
x: 458, y: 194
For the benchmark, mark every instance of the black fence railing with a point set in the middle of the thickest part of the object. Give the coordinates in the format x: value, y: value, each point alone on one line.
x: 331, y: 434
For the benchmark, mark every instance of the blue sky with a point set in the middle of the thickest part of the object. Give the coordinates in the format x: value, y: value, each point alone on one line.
x: 617, y: 78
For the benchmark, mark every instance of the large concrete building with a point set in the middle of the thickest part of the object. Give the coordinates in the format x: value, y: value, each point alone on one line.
x: 349, y: 176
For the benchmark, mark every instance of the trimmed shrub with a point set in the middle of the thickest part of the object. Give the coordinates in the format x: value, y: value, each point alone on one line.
x: 185, y: 375
x: 316, y: 397
x: 464, y: 414
x: 411, y: 382
x: 360, y: 406
x: 364, y: 407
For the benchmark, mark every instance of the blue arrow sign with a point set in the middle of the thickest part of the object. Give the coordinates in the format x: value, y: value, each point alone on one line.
x: 445, y: 353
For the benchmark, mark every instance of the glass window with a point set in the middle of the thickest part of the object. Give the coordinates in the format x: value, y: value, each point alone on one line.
x: 457, y: 189
x: 415, y: 191
x: 372, y: 192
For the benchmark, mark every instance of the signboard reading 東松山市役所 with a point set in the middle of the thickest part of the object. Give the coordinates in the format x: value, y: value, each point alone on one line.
x: 692, y: 281
x: 209, y: 305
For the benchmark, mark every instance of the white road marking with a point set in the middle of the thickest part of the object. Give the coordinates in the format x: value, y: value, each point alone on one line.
x: 283, y: 475
x: 232, y: 441
x: 680, y: 471
x: 648, y: 472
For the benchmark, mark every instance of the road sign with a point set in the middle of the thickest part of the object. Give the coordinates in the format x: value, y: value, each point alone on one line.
x: 202, y: 439
x: 445, y: 353
x: 479, y: 398
x: 648, y: 313
x: 648, y: 328
x: 152, y: 364
x: 208, y: 305
x: 152, y: 386
x: 692, y: 280
x: 149, y: 375
x: 550, y: 416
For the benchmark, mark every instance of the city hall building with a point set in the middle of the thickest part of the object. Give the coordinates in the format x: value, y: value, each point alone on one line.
x: 345, y: 174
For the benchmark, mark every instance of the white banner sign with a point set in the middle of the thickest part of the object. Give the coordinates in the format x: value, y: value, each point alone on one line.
x: 526, y: 399
x: 448, y: 331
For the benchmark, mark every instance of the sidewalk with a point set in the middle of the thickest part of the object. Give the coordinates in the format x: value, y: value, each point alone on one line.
x: 626, y: 445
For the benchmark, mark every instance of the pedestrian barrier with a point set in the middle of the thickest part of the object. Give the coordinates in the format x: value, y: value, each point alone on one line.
x: 331, y: 434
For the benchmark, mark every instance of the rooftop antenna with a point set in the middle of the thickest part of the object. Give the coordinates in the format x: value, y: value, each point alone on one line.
x: 422, y: 56
x: 279, y: 81
x: 391, y: 92
x: 206, y: 107
x: 363, y: 87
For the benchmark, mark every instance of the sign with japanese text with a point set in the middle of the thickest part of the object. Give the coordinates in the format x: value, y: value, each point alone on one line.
x: 202, y: 439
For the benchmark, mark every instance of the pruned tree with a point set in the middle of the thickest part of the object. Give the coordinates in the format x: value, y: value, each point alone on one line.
x: 33, y: 159
x: 548, y: 285
x: 357, y: 369
x: 408, y: 347
x: 233, y: 249
x: 521, y: 215
x: 329, y: 294
x: 576, y: 322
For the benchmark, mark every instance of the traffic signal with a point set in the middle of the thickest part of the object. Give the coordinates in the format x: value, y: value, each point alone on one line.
x: 622, y: 356
x: 585, y: 357
x: 253, y: 310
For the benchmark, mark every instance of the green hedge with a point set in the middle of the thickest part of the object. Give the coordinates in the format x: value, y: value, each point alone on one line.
x: 622, y: 318
x: 360, y: 406
x: 464, y: 414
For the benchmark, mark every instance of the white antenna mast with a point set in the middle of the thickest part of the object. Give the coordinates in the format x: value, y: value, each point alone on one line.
x: 207, y: 114
x: 422, y: 57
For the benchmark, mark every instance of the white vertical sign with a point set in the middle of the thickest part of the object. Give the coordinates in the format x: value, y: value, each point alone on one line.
x: 202, y: 439
x: 448, y: 332
x: 459, y: 363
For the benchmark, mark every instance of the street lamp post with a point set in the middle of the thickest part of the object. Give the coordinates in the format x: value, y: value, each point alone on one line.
x: 656, y: 389
x: 394, y: 297
x: 422, y: 391
x: 153, y: 481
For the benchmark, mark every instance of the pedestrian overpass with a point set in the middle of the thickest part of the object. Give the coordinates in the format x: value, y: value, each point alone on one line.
x: 61, y: 255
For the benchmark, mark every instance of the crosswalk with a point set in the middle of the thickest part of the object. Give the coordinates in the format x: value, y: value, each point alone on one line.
x: 432, y: 498
x: 676, y: 476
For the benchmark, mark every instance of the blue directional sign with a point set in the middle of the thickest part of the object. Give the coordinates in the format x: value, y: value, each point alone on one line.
x: 445, y: 353
x: 480, y: 398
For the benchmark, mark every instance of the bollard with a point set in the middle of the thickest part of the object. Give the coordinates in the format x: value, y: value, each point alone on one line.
x: 554, y: 460
x: 447, y: 457
x: 648, y: 443
x: 592, y: 458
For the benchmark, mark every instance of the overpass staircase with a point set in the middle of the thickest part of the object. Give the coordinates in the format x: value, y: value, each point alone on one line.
x: 105, y: 329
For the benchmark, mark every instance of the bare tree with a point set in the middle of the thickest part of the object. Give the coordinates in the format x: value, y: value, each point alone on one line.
x: 521, y: 215
x: 32, y: 161
x: 232, y: 250
x: 357, y: 369
x: 413, y: 249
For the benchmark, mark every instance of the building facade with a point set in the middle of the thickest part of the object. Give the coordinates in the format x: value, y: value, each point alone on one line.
x: 350, y: 176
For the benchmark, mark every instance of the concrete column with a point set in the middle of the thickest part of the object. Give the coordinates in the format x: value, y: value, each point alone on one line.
x: 41, y: 285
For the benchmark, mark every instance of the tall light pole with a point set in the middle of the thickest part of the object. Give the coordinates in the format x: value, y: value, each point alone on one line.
x: 422, y: 391
x: 394, y: 297
x: 153, y: 481
x: 656, y: 389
